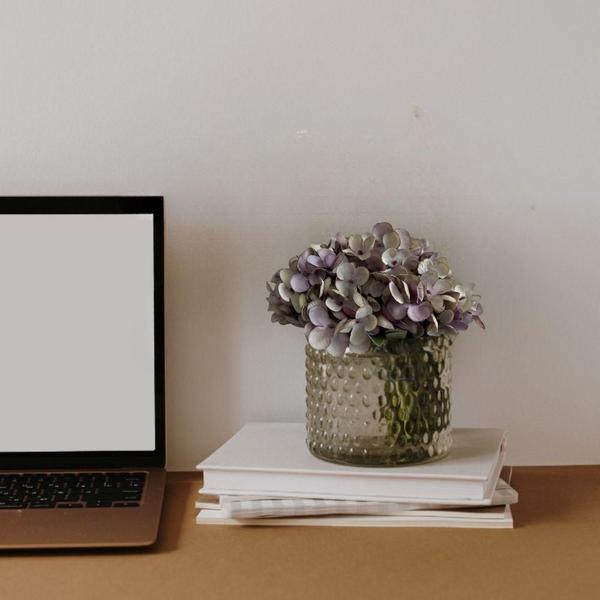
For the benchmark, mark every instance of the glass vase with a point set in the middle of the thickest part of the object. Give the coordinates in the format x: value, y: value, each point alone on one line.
x: 383, y: 408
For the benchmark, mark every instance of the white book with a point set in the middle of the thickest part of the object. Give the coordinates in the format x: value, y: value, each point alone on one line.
x: 502, y: 519
x: 271, y: 459
x: 256, y: 507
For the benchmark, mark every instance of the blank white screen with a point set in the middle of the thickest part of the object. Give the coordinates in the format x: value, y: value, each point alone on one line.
x: 76, y: 333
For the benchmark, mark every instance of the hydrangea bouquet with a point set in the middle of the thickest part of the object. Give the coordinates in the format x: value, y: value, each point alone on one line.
x: 362, y: 292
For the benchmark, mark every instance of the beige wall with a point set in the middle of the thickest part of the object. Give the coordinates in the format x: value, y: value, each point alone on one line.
x: 268, y: 125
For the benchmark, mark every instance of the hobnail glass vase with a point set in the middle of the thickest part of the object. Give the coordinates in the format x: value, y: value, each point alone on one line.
x: 380, y: 408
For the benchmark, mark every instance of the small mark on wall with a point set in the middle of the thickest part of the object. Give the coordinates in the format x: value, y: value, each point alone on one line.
x: 416, y: 111
x: 302, y: 133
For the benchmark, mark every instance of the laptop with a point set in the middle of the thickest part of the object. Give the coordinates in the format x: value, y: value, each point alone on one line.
x: 82, y: 414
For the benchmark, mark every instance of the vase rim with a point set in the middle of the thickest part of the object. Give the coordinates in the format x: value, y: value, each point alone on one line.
x: 375, y: 351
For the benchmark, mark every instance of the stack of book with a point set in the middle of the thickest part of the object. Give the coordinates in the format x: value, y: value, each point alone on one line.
x: 265, y: 475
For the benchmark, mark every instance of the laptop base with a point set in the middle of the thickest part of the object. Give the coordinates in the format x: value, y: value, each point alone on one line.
x: 87, y: 527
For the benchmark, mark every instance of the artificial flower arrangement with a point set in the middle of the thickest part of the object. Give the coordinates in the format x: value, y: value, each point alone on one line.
x: 362, y: 292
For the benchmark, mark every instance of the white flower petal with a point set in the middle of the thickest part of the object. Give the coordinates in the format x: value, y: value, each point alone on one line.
x: 338, y: 345
x: 344, y: 288
x: 442, y: 267
x: 391, y: 240
x: 396, y: 310
x: 358, y: 335
x: 358, y: 299
x: 286, y: 276
x: 405, y: 239
x: 341, y: 325
x: 320, y: 337
x: 390, y: 257
x: 348, y: 325
x: 370, y: 322
x: 406, y: 289
x: 383, y: 322
x: 284, y: 292
x: 363, y: 312
x: 398, y: 297
x: 410, y: 262
x: 424, y: 266
x: 355, y: 242
x: 361, y: 275
x: 295, y: 299
x: 333, y: 304
x: 319, y: 316
x: 380, y: 229
x: 446, y: 317
x: 368, y: 241
x: 441, y: 286
x: 361, y: 348
x: 437, y: 302
x: 419, y: 312
x: 375, y: 288
x: 429, y: 279
x: 345, y: 271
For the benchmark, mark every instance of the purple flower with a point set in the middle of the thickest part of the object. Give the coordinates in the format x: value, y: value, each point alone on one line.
x: 324, y: 259
x: 325, y: 335
x: 419, y: 312
x: 303, y: 265
x: 338, y: 242
x: 412, y: 296
x: 360, y: 246
x: 394, y: 257
x: 439, y: 291
x: 380, y: 229
x: 461, y: 321
x: 349, y: 277
x: 363, y: 323
x: 395, y: 311
x: 299, y: 283
x: 385, y: 284
x: 321, y: 264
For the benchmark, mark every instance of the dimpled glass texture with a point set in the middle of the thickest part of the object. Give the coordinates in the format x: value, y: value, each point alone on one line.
x: 380, y: 408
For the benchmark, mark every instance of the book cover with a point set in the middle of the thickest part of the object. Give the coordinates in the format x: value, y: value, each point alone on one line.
x: 265, y: 459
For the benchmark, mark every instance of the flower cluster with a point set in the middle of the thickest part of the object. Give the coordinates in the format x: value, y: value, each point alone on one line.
x: 370, y: 290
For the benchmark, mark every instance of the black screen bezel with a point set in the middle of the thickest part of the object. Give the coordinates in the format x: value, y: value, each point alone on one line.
x: 104, y: 205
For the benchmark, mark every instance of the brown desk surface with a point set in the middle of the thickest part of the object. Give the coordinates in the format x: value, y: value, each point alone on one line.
x: 554, y: 552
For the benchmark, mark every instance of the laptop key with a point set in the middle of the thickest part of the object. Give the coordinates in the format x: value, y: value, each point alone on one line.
x: 131, y: 496
x: 126, y: 504
x: 98, y: 504
x: 12, y: 505
x: 72, y: 490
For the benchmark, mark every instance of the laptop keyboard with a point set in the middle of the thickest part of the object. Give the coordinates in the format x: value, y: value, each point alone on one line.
x: 71, y: 490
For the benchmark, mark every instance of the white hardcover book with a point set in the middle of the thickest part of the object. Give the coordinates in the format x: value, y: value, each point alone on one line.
x: 257, y: 507
x: 271, y: 459
x: 501, y: 520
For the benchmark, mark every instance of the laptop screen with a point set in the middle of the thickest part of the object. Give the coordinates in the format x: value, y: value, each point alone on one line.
x: 76, y: 333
